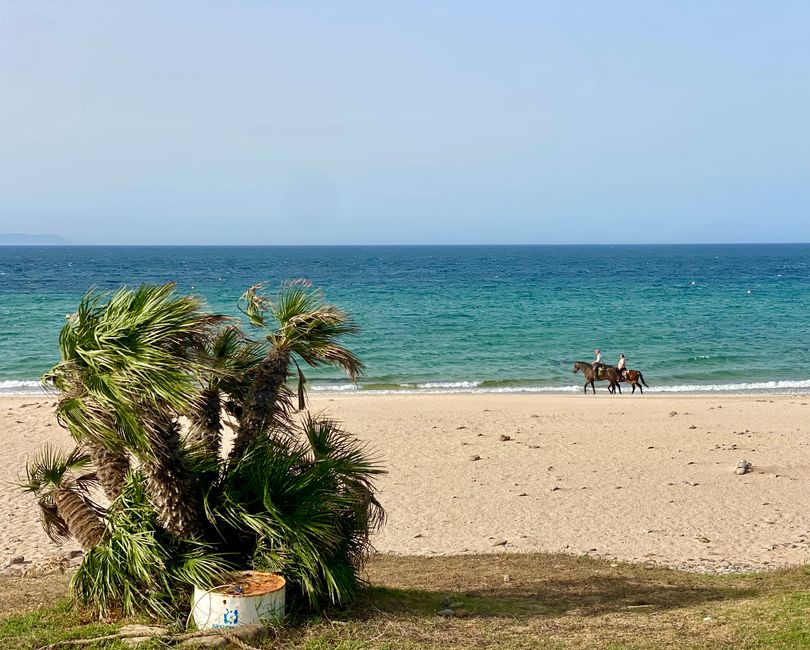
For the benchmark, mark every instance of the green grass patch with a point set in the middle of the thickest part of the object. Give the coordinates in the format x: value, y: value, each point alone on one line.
x: 509, y: 601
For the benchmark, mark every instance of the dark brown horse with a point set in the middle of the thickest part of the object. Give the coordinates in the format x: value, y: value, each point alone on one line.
x: 634, y: 378
x: 608, y: 373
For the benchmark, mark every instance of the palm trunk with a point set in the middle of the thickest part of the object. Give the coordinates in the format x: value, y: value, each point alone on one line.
x: 263, y: 402
x: 82, y: 521
x: 170, y: 486
x: 111, y: 468
x: 206, y: 422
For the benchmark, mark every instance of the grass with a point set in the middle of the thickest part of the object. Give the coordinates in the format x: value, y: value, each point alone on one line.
x: 513, y: 601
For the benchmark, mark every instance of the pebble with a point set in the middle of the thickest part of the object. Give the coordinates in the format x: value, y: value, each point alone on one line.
x: 501, y: 542
x: 475, y: 457
x: 449, y: 613
x: 743, y: 467
x: 19, y: 559
x: 504, y: 438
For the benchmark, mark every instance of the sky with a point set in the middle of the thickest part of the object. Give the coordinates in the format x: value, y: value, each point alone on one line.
x: 405, y: 122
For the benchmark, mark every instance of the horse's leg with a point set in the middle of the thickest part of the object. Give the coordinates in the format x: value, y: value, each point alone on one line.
x: 641, y: 389
x: 634, y: 389
x: 619, y: 387
x: 593, y: 387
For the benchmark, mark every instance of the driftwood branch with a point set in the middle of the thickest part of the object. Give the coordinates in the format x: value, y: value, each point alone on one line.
x: 170, y: 638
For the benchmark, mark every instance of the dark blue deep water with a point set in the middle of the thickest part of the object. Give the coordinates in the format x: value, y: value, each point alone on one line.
x: 729, y: 317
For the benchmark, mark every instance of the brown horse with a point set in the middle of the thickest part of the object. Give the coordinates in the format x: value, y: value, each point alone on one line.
x: 609, y: 374
x: 634, y: 378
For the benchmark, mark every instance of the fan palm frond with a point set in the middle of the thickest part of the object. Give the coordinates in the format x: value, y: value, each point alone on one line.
x: 62, y: 482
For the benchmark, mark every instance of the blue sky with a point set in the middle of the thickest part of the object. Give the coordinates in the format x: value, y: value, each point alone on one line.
x: 390, y: 122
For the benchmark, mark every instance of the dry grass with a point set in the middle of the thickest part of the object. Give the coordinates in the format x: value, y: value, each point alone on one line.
x: 515, y: 601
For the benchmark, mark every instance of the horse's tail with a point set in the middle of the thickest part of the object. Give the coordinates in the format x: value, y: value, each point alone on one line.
x: 641, y: 377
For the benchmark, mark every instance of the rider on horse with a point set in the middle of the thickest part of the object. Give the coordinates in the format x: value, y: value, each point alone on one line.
x: 621, y: 366
x: 598, y: 363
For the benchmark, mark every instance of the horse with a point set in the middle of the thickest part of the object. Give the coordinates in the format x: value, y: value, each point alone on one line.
x: 634, y: 378
x: 610, y: 374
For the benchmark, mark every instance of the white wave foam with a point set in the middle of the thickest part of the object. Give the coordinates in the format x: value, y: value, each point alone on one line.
x: 757, y: 385
x: 332, y: 387
x: 449, y: 384
x: 21, y: 387
x: 475, y: 387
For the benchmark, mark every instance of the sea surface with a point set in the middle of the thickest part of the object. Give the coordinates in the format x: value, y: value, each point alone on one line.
x: 469, y: 318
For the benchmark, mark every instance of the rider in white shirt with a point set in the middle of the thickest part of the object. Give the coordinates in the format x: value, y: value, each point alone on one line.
x: 598, y: 363
x: 621, y: 365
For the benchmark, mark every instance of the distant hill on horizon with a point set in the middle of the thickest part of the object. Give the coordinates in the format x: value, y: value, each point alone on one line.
x: 22, y: 239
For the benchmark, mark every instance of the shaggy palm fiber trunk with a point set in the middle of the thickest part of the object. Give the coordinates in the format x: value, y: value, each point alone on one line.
x: 82, y: 521
x: 111, y: 468
x: 169, y: 483
x: 263, y: 400
x: 206, y: 422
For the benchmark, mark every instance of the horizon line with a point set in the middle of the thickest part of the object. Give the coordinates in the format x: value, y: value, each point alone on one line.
x: 406, y: 245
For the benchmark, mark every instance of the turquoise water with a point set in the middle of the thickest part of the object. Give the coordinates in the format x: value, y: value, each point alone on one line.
x: 499, y: 318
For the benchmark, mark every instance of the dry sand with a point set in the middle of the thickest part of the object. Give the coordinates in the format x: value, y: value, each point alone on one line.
x: 632, y: 478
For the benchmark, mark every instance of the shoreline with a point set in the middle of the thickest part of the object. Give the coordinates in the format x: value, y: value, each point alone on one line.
x: 33, y: 388
x: 641, y: 479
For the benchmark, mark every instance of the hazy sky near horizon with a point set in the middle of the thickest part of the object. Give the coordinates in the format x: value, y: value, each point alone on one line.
x: 334, y: 122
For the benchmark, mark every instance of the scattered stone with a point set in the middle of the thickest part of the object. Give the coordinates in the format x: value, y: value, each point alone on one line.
x: 445, y: 602
x: 449, y: 613
x: 50, y: 566
x: 554, y: 488
x: 75, y: 553
x: 19, y: 559
x: 673, y: 413
x: 455, y: 605
x: 507, y: 578
x: 500, y: 542
x: 417, y: 536
x: 692, y: 426
x: 461, y: 612
x: 743, y: 467
x: 461, y: 427
x: 523, y: 494
x: 704, y: 540
x: 503, y: 437
x: 475, y: 457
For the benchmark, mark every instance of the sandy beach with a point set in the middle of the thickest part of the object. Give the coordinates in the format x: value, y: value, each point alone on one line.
x: 647, y: 479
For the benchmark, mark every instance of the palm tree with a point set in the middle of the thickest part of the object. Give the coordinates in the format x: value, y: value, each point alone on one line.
x: 129, y: 369
x: 308, y: 329
x: 231, y: 359
x: 293, y: 497
x: 88, y: 424
x: 61, y: 484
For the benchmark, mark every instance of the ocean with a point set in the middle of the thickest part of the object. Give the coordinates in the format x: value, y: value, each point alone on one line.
x: 469, y: 318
